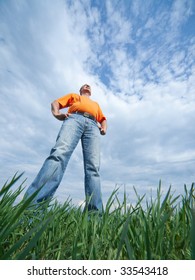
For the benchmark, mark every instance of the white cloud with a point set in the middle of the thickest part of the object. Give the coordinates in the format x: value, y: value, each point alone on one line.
x: 181, y: 10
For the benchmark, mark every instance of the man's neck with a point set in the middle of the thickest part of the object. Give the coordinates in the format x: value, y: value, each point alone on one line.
x: 85, y: 94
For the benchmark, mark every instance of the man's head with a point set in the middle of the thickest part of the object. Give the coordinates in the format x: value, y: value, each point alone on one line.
x: 85, y: 90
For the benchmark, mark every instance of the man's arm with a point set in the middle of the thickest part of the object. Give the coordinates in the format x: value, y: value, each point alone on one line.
x: 103, y: 127
x: 55, y: 109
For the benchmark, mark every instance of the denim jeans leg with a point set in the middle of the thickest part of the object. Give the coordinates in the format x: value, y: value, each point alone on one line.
x: 91, y: 153
x: 51, y: 173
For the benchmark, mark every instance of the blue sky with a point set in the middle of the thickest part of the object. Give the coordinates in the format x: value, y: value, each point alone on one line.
x: 138, y: 56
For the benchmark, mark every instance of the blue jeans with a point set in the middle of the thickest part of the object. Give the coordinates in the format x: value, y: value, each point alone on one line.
x: 73, y: 129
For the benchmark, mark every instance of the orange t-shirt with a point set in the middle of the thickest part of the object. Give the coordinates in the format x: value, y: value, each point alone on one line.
x: 81, y: 103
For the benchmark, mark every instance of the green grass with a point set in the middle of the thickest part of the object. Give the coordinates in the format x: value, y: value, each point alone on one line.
x: 161, y: 228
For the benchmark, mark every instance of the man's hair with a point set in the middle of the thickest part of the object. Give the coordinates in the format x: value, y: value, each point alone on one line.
x: 81, y: 88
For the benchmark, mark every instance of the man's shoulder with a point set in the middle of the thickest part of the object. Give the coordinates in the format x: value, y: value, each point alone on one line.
x: 71, y: 95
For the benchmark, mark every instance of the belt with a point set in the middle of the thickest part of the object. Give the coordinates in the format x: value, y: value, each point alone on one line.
x: 85, y: 114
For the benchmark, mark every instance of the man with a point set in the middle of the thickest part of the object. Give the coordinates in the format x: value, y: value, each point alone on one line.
x: 84, y: 121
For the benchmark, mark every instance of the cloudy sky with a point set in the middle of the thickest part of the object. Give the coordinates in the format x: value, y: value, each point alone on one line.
x: 138, y: 56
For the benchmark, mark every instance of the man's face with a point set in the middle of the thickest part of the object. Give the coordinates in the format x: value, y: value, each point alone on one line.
x: 85, y: 89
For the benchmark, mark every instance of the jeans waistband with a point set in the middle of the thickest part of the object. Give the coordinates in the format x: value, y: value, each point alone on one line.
x: 85, y: 114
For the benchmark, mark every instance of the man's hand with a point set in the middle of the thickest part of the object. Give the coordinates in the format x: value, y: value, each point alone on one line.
x: 102, y: 131
x: 103, y: 127
x: 61, y: 117
x: 55, y: 109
